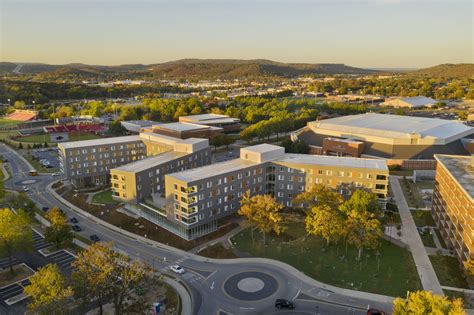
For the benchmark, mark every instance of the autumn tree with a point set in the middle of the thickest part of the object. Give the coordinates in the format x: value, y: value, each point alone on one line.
x: 59, y: 232
x: 15, y: 233
x: 319, y: 195
x: 425, y: 302
x: 326, y: 222
x: 101, y: 273
x: 48, y: 291
x: 263, y: 212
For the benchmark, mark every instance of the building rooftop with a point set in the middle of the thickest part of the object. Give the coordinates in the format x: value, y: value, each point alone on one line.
x: 95, y: 142
x: 393, y: 126
x: 263, y: 148
x: 326, y: 160
x: 181, y: 127
x: 136, y: 125
x: 145, y: 164
x: 213, y: 170
x: 204, y: 117
x: 462, y: 170
x: 418, y: 101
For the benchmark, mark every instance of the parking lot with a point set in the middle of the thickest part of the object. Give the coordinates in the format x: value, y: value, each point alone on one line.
x: 34, y: 260
x: 49, y: 155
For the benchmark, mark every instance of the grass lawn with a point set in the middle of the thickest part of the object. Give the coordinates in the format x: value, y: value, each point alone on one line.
x: 427, y: 239
x: 217, y: 251
x: 8, y: 122
x: 104, y: 197
x: 448, y: 271
x: 19, y: 272
x: 41, y: 138
x: 394, y: 275
x: 422, y: 218
x: 441, y: 239
x: 402, y: 173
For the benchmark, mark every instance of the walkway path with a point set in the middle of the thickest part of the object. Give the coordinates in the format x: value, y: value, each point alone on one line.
x: 428, y: 277
x: 223, y: 240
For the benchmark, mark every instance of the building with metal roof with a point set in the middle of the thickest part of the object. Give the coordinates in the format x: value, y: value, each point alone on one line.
x: 410, y: 102
x: 388, y: 136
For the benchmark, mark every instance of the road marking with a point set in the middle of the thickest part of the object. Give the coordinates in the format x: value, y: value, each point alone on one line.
x: 212, y: 285
x: 297, y: 293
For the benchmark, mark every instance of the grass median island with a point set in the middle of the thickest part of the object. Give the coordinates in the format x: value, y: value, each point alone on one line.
x: 394, y: 275
x: 20, y: 272
x: 448, y: 271
x: 427, y: 239
x: 217, y: 251
x: 37, y: 165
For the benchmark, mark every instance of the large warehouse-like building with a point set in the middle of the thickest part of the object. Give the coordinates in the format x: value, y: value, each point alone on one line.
x: 387, y: 136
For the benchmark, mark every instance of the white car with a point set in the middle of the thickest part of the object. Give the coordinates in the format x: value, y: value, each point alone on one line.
x: 26, y: 189
x: 56, y: 174
x: 177, y: 269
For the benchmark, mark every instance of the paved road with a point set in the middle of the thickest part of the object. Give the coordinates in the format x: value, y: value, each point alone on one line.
x: 428, y: 277
x: 205, y: 278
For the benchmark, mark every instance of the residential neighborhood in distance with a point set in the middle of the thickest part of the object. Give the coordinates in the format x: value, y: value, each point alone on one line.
x: 237, y: 157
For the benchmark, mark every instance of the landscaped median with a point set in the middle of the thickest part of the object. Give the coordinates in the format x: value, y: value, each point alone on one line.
x: 391, y: 272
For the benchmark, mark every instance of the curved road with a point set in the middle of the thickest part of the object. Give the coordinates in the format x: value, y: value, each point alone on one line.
x: 208, y: 279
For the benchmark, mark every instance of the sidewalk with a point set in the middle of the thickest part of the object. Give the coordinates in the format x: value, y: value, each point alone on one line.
x: 428, y: 277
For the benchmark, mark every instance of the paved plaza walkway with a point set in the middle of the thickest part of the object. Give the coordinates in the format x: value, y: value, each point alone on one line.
x: 428, y: 277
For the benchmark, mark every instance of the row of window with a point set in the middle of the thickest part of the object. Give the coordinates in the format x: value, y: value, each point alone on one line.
x: 106, y: 156
x: 106, y: 149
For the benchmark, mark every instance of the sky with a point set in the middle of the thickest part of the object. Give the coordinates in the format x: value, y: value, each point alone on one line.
x: 361, y: 33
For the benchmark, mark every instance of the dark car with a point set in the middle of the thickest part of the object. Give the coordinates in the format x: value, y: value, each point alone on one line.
x: 45, y: 209
x: 74, y: 220
x: 373, y: 311
x: 76, y: 228
x: 282, y: 303
x: 94, y: 238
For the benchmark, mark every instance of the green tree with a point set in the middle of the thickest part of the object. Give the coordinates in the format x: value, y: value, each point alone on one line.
x: 59, y: 232
x: 48, y: 291
x: 425, y: 302
x: 116, y: 129
x: 263, y: 212
x: 15, y: 233
x: 363, y: 227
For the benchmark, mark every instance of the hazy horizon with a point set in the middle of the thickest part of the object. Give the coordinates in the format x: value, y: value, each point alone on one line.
x: 374, y: 34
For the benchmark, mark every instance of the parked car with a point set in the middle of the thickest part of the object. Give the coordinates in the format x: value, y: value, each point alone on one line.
x: 177, y: 269
x: 74, y: 220
x: 56, y: 174
x: 94, y: 238
x: 76, y: 228
x: 282, y: 303
x: 26, y: 189
x: 45, y: 209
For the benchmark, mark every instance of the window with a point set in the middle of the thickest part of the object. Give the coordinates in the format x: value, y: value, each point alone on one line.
x: 280, y: 194
x: 329, y: 173
x: 381, y: 177
x: 370, y: 176
x: 289, y: 187
x: 379, y: 186
x: 320, y: 172
x: 281, y: 177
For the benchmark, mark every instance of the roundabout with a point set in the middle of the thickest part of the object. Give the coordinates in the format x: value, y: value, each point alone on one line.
x: 250, y: 286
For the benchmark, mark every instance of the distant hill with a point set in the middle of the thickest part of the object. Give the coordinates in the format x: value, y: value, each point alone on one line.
x: 232, y: 68
x: 184, y: 69
x: 456, y: 71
